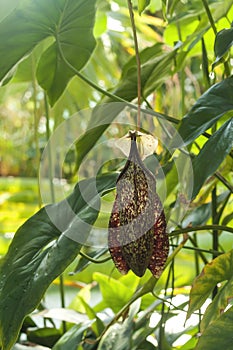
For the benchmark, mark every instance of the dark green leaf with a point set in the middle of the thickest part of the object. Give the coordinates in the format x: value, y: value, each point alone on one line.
x: 75, y: 38
x: 44, y: 336
x: 220, y: 269
x: 69, y: 22
x: 71, y: 339
x: 214, y: 150
x: 211, y: 106
x: 219, y: 334
x: 223, y: 42
x: 40, y: 251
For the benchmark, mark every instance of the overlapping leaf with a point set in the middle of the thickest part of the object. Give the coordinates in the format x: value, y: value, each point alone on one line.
x: 215, y: 150
x: 69, y: 22
x: 220, y: 269
x: 156, y: 67
x: 211, y: 106
x: 40, y: 251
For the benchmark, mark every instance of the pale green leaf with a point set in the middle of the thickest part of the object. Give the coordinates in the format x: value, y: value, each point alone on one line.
x: 218, y: 270
x: 219, y: 334
x: 142, y: 4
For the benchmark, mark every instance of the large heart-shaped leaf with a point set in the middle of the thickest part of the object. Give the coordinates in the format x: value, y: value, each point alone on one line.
x: 41, y: 249
x: 69, y: 22
x: 211, y: 106
x: 215, y: 150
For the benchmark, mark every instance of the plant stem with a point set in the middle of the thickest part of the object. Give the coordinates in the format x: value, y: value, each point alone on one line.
x: 47, y: 115
x: 95, y: 261
x: 210, y: 17
x: 131, y: 13
x: 109, y: 94
x: 36, y: 140
x: 215, y: 232
x: 201, y: 228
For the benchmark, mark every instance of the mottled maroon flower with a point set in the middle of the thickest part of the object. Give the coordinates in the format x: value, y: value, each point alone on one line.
x: 137, y: 227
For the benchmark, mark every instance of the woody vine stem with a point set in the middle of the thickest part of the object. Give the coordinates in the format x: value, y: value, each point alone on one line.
x: 131, y: 13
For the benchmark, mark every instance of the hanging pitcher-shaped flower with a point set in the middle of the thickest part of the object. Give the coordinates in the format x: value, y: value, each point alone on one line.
x: 137, y: 237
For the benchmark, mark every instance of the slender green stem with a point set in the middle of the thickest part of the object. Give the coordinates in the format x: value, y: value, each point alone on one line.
x: 215, y: 231
x: 224, y: 181
x: 209, y: 251
x: 36, y: 139
x: 131, y: 13
x: 109, y: 94
x: 193, y: 240
x: 201, y: 228
x: 47, y: 115
x: 95, y: 261
x: 210, y: 17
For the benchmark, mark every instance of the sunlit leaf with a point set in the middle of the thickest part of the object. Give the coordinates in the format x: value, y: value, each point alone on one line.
x: 40, y: 252
x: 218, y: 270
x: 115, y: 294
x: 142, y: 4
x: 219, y: 334
x: 215, y: 150
x: 218, y: 305
x: 67, y: 315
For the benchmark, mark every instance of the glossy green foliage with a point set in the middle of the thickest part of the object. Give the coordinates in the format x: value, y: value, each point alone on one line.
x: 216, y: 326
x: 54, y: 243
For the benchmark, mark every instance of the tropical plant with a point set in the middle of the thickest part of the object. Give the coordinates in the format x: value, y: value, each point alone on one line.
x: 78, y: 60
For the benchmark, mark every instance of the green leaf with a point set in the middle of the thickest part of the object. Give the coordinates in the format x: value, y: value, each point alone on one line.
x: 211, y: 106
x: 44, y: 336
x: 119, y: 336
x: 219, y: 334
x: 223, y: 42
x: 115, y: 293
x: 155, y: 63
x: 218, y: 270
x: 71, y: 339
x: 142, y: 4
x: 69, y: 22
x: 215, y: 150
x: 218, y: 305
x: 41, y: 250
x: 97, y: 325
x: 75, y: 38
